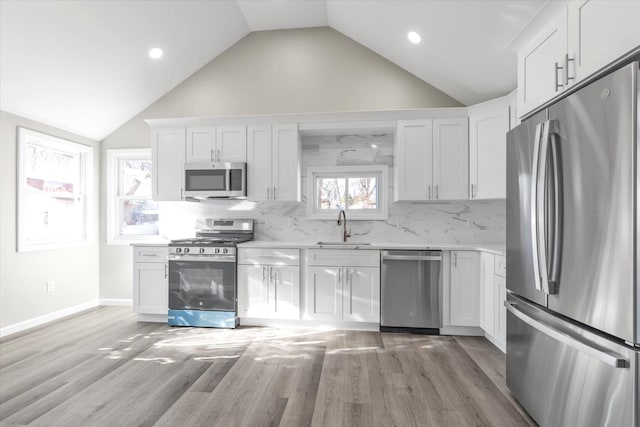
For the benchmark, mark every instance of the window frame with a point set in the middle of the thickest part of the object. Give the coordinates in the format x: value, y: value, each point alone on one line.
x: 114, y: 156
x: 381, y: 171
x: 84, y: 192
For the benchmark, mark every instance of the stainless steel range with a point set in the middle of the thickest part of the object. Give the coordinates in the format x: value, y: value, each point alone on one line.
x: 203, y: 272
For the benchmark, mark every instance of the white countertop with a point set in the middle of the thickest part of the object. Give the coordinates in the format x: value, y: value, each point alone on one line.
x: 494, y: 248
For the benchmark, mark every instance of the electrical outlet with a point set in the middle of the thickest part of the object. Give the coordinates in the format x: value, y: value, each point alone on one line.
x: 292, y: 221
x: 51, y: 286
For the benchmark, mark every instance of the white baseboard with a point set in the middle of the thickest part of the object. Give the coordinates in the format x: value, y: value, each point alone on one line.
x: 116, y: 301
x: 310, y: 324
x: 40, y: 320
x: 159, y: 318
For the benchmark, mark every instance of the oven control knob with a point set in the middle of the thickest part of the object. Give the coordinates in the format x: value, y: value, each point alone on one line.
x: 178, y: 250
x: 224, y: 251
x: 201, y: 250
x: 186, y: 250
x: 217, y: 250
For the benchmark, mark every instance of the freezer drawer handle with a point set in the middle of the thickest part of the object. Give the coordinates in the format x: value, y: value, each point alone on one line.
x: 411, y: 258
x: 609, y: 357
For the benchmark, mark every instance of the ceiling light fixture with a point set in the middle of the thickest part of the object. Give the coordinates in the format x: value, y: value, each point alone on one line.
x: 156, y: 53
x: 414, y: 37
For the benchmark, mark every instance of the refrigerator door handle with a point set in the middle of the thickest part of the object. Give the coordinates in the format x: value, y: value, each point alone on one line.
x: 609, y: 357
x: 558, y: 209
x: 541, y: 198
x: 534, y: 207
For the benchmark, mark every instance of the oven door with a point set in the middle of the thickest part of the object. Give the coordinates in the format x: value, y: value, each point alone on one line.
x: 202, y: 283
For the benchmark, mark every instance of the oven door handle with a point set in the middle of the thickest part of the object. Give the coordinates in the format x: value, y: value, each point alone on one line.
x: 201, y: 258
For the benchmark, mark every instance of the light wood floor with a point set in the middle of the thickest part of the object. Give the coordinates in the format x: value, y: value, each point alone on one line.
x: 102, y: 368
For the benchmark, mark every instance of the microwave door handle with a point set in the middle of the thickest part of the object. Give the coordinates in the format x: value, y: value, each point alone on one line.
x: 227, y: 179
x: 533, y: 209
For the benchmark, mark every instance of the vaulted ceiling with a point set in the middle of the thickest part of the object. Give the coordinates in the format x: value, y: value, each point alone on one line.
x: 82, y: 66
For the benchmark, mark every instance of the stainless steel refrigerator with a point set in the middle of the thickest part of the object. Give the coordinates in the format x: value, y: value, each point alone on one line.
x: 573, y: 304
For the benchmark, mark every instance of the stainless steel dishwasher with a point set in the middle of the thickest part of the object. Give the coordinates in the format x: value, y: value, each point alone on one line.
x: 411, y: 289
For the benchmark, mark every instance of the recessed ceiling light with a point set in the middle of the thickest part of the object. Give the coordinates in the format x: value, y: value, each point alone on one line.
x: 414, y: 37
x: 156, y: 53
x: 374, y: 146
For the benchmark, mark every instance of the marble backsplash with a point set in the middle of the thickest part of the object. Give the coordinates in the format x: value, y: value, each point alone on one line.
x: 436, y: 222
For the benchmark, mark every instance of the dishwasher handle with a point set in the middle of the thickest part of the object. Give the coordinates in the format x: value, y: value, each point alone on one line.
x: 387, y: 256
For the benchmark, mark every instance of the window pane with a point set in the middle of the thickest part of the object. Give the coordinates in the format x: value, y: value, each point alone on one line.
x: 363, y: 193
x: 135, y: 178
x: 52, y: 209
x: 331, y: 193
x: 138, y: 217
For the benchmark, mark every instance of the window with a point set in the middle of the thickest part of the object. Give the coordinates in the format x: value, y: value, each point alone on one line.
x: 358, y: 190
x: 131, y: 214
x: 54, y: 176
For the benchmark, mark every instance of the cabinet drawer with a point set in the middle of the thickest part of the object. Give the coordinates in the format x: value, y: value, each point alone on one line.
x: 269, y: 256
x: 342, y: 257
x: 500, y: 267
x: 150, y: 253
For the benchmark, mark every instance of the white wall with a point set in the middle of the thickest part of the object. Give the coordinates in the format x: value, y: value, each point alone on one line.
x: 23, y: 276
x: 270, y: 72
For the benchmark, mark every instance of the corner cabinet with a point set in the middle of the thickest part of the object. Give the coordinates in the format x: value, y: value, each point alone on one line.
x: 167, y: 159
x: 269, y: 283
x: 343, y: 285
x: 431, y: 159
x: 150, y: 279
x: 488, y: 127
x: 273, y: 163
x: 493, y: 318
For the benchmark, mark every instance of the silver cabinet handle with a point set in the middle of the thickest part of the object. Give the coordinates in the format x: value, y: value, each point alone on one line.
x: 609, y: 357
x: 219, y: 155
x: 274, y: 193
x: 473, y: 191
x: 350, y: 291
x: 340, y: 275
x: 268, y: 193
x: 559, y: 85
x: 455, y: 259
x: 166, y: 272
x: 429, y: 191
x: 437, y: 195
x: 213, y: 156
x: 270, y: 273
x: 263, y: 272
x: 149, y: 255
x: 566, y: 69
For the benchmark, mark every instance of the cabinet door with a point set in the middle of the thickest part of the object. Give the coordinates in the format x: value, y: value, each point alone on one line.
x: 324, y: 293
x: 600, y: 32
x: 538, y: 79
x: 286, y: 163
x: 450, y: 159
x: 253, y: 290
x: 361, y: 291
x: 413, y: 157
x: 488, y: 148
x: 167, y: 158
x: 231, y: 144
x: 284, y: 292
x: 150, y: 288
x: 200, y: 144
x: 465, y: 289
x: 500, y: 312
x: 487, y: 310
x: 259, y: 162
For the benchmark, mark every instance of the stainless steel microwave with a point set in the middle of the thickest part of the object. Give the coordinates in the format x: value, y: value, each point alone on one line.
x: 215, y: 181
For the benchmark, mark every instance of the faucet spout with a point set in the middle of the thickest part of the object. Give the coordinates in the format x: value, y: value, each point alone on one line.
x: 342, y: 220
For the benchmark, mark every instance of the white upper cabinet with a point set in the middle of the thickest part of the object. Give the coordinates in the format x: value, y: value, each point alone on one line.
x: 231, y: 144
x: 450, y: 159
x: 488, y: 127
x: 540, y: 76
x: 167, y: 158
x: 413, y: 151
x: 210, y: 144
x: 273, y: 163
x: 431, y: 159
x: 201, y: 144
x: 285, y: 173
x: 600, y: 32
x: 581, y: 38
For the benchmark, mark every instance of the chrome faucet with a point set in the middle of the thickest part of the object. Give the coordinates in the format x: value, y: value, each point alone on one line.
x: 342, y: 220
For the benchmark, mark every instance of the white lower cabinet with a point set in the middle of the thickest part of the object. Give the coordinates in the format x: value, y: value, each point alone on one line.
x: 150, y: 280
x: 348, y: 289
x: 494, y: 293
x: 464, y: 288
x: 269, y: 283
x: 487, y: 317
